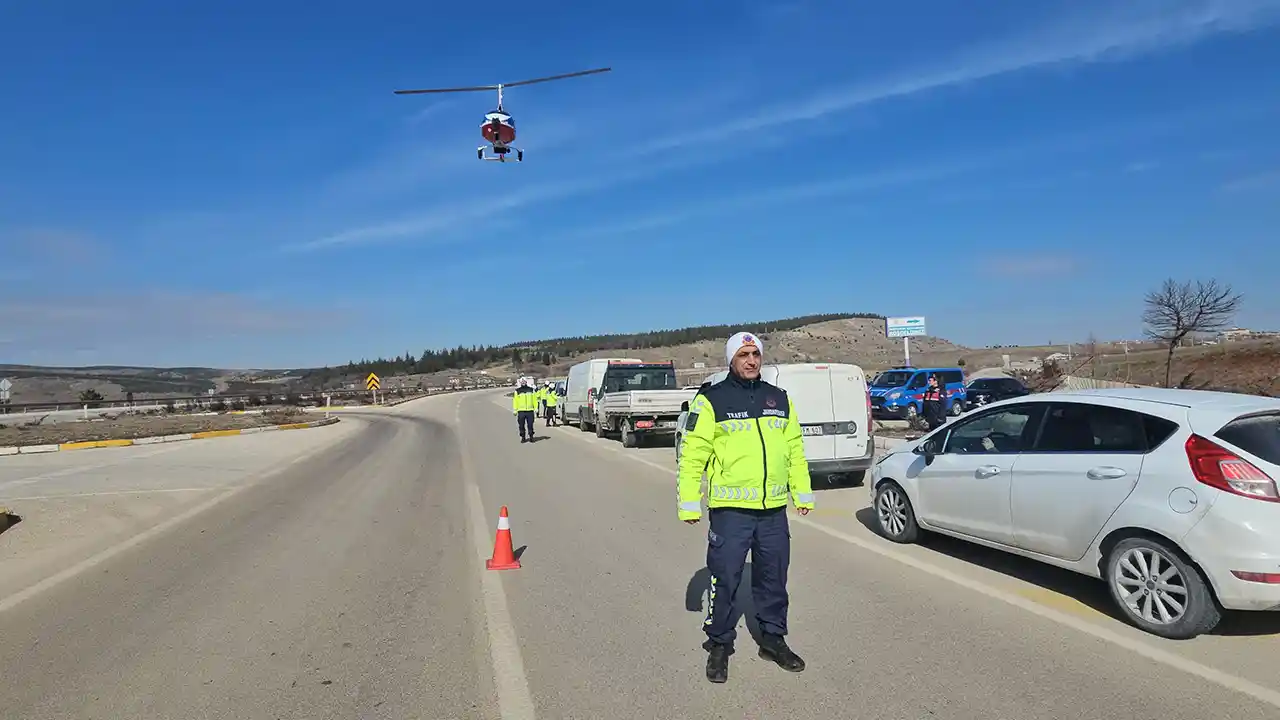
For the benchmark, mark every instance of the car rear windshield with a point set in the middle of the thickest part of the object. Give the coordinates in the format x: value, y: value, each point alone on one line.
x: 1257, y: 434
x: 640, y: 377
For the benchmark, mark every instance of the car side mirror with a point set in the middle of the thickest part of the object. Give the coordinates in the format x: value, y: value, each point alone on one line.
x: 929, y: 450
x: 684, y: 406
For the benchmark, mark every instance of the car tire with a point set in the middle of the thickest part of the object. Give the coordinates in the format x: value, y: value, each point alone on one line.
x: 895, y: 518
x: 1138, y: 564
x: 628, y: 437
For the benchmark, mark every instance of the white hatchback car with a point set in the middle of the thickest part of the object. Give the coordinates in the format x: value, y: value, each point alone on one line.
x: 1168, y: 495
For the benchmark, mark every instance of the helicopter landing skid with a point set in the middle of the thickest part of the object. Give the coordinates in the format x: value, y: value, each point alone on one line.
x: 501, y: 155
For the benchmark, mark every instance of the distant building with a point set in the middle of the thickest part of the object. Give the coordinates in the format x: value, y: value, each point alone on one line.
x: 1235, y: 334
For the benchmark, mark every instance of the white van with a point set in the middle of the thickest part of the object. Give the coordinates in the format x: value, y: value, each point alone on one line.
x: 833, y: 405
x: 583, y: 377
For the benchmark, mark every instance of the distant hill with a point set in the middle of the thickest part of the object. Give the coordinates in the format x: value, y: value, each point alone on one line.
x: 556, y: 352
x: 852, y: 337
x: 33, y: 384
x: 38, y: 384
x: 858, y: 339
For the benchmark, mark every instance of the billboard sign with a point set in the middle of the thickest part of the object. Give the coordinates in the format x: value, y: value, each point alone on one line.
x: 897, y: 327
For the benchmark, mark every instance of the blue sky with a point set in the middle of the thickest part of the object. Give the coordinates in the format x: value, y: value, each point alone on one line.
x: 234, y: 184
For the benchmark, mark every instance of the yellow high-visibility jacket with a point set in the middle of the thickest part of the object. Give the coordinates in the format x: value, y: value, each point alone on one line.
x: 524, y: 400
x: 744, y: 434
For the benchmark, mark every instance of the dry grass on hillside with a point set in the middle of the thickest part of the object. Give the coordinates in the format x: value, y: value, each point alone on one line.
x: 856, y: 340
x: 1252, y: 368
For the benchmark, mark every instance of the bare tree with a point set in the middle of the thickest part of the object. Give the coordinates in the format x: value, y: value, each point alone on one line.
x: 1177, y: 310
x: 1091, y: 351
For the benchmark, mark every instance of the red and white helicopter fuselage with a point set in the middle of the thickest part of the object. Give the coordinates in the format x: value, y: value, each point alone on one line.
x: 499, y: 130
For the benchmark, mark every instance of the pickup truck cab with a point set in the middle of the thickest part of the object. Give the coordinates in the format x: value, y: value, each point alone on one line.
x: 834, y: 408
x: 637, y: 400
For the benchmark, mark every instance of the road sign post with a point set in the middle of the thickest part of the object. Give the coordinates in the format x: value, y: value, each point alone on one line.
x: 905, y: 328
x: 373, y: 384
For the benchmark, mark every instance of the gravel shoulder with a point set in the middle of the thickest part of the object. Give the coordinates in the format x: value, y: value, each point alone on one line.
x: 137, y: 426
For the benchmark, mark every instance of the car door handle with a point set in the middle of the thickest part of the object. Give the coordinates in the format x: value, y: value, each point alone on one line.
x: 1106, y: 473
x: 987, y: 471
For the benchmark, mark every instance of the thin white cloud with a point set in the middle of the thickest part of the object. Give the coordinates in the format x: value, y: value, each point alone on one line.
x: 433, y: 109
x: 1257, y: 181
x: 814, y: 190
x: 1031, y: 266
x: 442, y: 218
x: 1126, y: 30
x: 62, y: 323
x: 1120, y: 31
x: 52, y: 245
x: 450, y: 216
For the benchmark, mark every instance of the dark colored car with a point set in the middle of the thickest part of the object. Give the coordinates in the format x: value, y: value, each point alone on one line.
x: 989, y: 390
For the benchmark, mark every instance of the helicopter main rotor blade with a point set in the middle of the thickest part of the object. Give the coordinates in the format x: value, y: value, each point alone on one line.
x: 555, y: 77
x: 473, y: 88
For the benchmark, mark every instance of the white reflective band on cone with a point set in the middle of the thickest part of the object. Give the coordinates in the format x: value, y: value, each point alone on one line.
x: 504, y: 523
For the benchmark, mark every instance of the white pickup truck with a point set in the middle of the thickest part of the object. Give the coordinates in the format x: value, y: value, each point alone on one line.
x: 637, y: 400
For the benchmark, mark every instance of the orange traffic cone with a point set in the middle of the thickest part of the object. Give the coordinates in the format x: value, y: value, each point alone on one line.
x: 504, y: 556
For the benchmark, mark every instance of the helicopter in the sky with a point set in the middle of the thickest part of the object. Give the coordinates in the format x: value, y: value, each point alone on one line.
x: 499, y: 128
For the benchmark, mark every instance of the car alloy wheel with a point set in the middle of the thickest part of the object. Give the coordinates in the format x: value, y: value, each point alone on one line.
x: 894, y: 515
x: 1151, y: 586
x: 1160, y: 590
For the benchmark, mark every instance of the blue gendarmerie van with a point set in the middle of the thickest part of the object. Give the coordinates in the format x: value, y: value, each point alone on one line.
x: 898, y: 393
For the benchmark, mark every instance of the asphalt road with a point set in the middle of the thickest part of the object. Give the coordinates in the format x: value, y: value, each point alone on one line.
x: 342, y: 577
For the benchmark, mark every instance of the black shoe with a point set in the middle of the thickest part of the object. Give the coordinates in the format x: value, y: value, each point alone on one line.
x: 775, y: 649
x: 717, y: 661
x: 524, y: 439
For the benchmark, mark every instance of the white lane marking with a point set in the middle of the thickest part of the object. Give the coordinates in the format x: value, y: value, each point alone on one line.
x: 106, y: 492
x: 1191, y: 667
x: 95, y: 466
x: 11, y: 601
x: 515, y: 702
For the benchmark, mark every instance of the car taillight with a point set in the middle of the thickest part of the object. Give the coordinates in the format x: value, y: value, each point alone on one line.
x: 1267, y: 578
x: 870, y: 427
x: 1218, y: 467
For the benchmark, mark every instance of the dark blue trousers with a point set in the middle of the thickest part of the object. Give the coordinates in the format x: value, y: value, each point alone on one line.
x: 767, y: 535
x: 525, y: 420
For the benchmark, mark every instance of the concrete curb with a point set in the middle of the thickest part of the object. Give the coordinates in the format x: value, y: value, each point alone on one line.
x: 888, y: 444
x: 87, y: 444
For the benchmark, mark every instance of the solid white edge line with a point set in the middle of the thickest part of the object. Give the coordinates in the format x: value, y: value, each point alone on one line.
x: 107, y: 493
x: 1191, y: 667
x: 515, y: 701
x: 10, y: 601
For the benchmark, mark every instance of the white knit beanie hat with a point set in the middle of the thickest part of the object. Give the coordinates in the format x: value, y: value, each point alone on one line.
x: 739, y: 341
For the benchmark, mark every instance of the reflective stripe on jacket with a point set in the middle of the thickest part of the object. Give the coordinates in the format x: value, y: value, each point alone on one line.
x: 744, y: 434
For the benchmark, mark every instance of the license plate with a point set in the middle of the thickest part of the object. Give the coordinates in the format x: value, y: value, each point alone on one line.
x: 811, y: 429
x: 667, y: 424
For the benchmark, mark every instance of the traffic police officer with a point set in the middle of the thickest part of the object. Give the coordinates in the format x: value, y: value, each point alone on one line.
x: 744, y: 434
x: 550, y: 400
x: 523, y: 404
